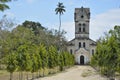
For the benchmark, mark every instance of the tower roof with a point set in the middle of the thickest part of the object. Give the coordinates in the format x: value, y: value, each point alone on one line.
x: 83, y: 10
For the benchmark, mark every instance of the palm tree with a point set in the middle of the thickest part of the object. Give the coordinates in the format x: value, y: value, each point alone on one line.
x: 4, y: 6
x: 60, y: 10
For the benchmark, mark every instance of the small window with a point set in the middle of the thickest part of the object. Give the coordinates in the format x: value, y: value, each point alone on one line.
x: 71, y: 51
x: 83, y: 24
x: 79, y: 24
x: 84, y: 44
x: 82, y: 16
x: 92, y: 51
x: 79, y: 44
x: 83, y: 29
x: 80, y: 29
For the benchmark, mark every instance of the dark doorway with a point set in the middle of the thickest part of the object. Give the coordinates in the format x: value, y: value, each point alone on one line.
x: 82, y: 60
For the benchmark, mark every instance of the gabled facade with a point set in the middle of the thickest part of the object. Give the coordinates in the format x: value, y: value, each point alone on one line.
x: 82, y: 47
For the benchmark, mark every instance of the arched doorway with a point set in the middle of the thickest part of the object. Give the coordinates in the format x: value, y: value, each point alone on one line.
x: 82, y: 60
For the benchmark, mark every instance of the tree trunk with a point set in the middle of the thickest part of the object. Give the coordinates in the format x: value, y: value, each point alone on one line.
x: 11, y: 76
x: 59, y: 30
x: 60, y: 23
x: 33, y: 76
x: 26, y: 75
x: 39, y: 73
x: 19, y: 76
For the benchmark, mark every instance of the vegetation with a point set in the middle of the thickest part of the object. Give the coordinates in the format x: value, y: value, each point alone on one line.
x: 107, y: 57
x: 32, y: 48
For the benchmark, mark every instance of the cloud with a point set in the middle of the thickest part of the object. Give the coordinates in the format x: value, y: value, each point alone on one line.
x: 71, y: 3
x: 70, y: 29
x: 98, y: 24
x: 30, y: 1
x: 10, y: 14
x: 66, y: 26
x: 104, y: 22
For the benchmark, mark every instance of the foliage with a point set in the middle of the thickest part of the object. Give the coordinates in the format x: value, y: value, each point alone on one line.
x: 107, y: 53
x: 4, y: 6
x: 34, y: 26
x: 11, y: 63
x: 52, y: 57
x: 60, y: 8
x: 31, y: 52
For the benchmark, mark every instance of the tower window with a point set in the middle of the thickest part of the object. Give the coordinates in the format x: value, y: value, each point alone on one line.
x: 79, y: 24
x: 82, y: 16
x: 92, y: 51
x: 84, y: 44
x: 79, y: 44
x: 83, y: 24
x: 83, y: 29
x: 80, y: 29
x: 71, y: 51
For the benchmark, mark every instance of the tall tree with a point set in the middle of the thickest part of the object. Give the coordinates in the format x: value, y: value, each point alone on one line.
x: 11, y: 64
x: 60, y: 10
x: 36, y: 27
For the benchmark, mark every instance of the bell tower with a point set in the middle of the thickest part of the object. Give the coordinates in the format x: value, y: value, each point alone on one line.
x: 82, y: 18
x: 82, y: 46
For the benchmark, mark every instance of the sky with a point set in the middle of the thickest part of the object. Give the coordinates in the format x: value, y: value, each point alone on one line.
x: 105, y: 14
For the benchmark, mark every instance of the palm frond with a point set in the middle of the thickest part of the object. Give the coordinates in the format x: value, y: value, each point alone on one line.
x: 4, y: 1
x: 3, y: 7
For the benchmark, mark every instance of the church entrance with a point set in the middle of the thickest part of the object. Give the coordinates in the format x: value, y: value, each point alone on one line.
x: 82, y: 60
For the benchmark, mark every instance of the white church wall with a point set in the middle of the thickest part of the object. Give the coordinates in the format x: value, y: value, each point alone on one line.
x: 82, y: 41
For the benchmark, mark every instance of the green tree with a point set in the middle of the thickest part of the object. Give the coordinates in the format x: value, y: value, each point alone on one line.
x: 24, y: 58
x: 11, y: 63
x: 60, y: 10
x: 39, y: 61
x: 53, y: 57
x: 34, y: 64
x: 36, y: 27
x: 44, y: 56
x: 61, y: 61
x: 107, y: 53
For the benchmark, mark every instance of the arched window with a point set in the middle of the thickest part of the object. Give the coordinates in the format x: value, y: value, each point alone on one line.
x: 79, y: 24
x: 83, y: 24
x: 79, y: 44
x: 80, y: 29
x: 92, y: 51
x: 84, y: 44
x: 83, y: 29
x: 71, y: 51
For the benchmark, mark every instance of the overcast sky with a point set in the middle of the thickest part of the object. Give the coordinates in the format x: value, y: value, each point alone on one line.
x: 105, y: 14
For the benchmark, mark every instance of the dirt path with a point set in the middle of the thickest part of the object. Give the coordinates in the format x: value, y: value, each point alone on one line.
x: 76, y: 73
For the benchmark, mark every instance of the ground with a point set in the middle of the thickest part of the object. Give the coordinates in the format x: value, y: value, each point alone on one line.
x: 76, y: 73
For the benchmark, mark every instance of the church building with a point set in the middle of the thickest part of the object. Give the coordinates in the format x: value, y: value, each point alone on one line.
x: 82, y: 47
